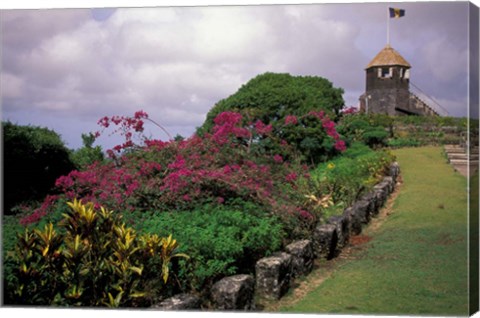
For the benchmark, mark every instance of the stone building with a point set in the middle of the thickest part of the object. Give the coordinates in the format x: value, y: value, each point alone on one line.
x: 388, y: 87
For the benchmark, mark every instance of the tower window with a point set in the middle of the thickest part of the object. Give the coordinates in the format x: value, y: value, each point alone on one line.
x: 385, y: 72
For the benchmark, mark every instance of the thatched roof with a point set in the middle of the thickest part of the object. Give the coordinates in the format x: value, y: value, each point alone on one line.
x: 388, y: 57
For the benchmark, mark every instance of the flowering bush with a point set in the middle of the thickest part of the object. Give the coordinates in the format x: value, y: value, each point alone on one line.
x: 349, y: 110
x: 230, y: 163
x: 313, y: 135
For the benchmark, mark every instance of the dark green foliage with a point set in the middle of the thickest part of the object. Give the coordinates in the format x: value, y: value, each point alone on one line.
x: 372, y: 130
x: 88, y: 154
x: 375, y: 137
x: 220, y: 240
x: 34, y: 158
x: 271, y: 97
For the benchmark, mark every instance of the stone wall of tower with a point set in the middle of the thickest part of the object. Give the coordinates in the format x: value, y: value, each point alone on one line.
x: 386, y: 94
x: 397, y: 79
x: 385, y: 101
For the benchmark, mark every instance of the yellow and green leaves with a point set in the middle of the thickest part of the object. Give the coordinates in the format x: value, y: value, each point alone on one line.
x: 95, y: 260
x: 165, y: 248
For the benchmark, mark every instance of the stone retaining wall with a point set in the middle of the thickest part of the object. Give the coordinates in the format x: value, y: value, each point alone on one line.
x: 274, y: 274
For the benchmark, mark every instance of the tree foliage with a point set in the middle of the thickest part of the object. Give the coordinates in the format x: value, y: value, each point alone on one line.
x: 270, y: 97
x: 88, y: 154
x: 34, y: 158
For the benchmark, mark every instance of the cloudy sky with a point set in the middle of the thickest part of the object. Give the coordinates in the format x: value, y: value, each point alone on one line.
x: 65, y: 68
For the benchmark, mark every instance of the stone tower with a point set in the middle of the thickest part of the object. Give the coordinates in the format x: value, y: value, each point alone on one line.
x: 387, y: 87
x: 387, y: 83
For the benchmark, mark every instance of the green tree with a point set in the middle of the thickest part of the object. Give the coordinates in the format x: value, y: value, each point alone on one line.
x: 33, y: 158
x: 271, y: 97
x: 88, y: 154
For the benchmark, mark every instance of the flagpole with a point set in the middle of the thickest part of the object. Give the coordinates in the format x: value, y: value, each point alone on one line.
x: 388, y: 27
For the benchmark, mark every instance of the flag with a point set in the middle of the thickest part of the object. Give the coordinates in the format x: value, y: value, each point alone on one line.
x: 396, y: 13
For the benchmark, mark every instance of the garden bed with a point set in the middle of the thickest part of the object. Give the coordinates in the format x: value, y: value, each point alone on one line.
x: 228, y: 198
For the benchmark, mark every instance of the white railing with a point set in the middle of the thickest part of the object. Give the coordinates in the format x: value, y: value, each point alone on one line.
x: 428, y: 100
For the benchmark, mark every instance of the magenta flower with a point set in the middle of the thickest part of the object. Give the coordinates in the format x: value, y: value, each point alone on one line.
x: 291, y: 177
x: 262, y: 129
x: 291, y: 120
x: 340, y: 145
x: 278, y: 159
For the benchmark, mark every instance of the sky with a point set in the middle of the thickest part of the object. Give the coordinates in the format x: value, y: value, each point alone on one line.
x: 66, y: 68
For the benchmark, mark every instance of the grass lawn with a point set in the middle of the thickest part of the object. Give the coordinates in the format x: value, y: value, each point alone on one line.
x: 416, y: 262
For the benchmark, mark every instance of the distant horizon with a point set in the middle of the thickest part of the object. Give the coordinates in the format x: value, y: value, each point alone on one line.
x: 175, y: 63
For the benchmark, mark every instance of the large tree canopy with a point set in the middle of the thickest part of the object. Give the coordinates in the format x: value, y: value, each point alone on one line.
x: 270, y: 97
x: 33, y: 158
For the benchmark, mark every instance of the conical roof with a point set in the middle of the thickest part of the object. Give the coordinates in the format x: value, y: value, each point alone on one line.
x: 388, y: 57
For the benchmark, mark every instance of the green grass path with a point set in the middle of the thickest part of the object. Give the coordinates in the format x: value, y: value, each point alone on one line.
x: 416, y: 262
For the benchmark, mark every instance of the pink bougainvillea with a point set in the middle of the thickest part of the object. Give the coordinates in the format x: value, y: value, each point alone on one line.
x: 169, y: 175
x: 349, y: 110
x: 291, y: 120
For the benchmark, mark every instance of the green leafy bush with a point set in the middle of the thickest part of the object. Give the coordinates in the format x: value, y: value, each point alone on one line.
x: 220, y: 240
x: 375, y: 137
x: 270, y: 97
x: 403, y: 142
x: 343, y: 180
x: 34, y: 158
x: 90, y: 258
x: 369, y: 129
x: 298, y: 110
x: 87, y: 155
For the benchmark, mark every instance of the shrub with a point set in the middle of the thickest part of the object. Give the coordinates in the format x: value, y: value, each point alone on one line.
x: 375, y: 137
x: 220, y: 240
x: 290, y: 106
x: 34, y: 158
x: 87, y: 155
x: 181, y: 175
x: 343, y: 180
x: 403, y: 142
x: 90, y: 258
x: 369, y: 129
x: 273, y: 97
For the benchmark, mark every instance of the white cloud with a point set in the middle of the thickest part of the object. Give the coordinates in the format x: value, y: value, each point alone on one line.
x: 11, y: 85
x: 176, y: 63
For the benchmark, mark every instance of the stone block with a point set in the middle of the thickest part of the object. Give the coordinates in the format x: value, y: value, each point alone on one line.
x: 325, y: 239
x: 390, y: 182
x: 372, y: 206
x: 273, y: 275
x: 384, y: 186
x: 302, y: 257
x: 361, y: 210
x: 180, y: 302
x: 342, y: 224
x: 234, y: 293
x: 394, y: 171
x: 354, y: 221
x: 380, y: 198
